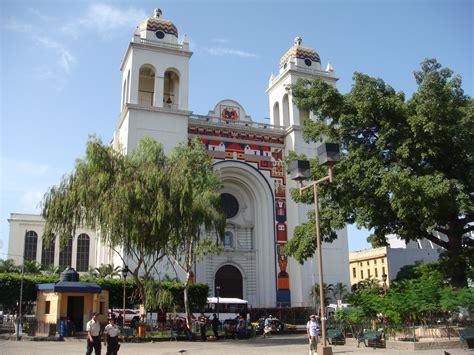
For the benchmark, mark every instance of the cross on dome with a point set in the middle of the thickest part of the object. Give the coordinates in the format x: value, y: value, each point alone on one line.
x: 157, y: 13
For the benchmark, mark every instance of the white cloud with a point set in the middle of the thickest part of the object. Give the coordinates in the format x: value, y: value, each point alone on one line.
x: 220, y: 40
x: 221, y: 51
x: 12, y: 24
x: 64, y: 57
x: 104, y: 19
x: 30, y: 200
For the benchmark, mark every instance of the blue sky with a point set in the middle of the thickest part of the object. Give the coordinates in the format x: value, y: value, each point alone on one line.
x: 60, y: 77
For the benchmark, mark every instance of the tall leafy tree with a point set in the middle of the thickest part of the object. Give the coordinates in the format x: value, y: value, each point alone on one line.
x: 314, y: 293
x: 8, y: 266
x: 407, y: 167
x: 125, y: 198
x: 339, y: 291
x: 31, y: 267
x: 107, y: 270
x: 197, y: 214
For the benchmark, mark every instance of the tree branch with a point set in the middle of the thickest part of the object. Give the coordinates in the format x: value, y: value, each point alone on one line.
x: 442, y: 230
x: 468, y: 229
x: 436, y: 240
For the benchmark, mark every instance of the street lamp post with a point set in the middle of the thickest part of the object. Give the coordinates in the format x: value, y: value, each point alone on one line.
x: 328, y: 154
x: 18, y: 321
x: 124, y: 274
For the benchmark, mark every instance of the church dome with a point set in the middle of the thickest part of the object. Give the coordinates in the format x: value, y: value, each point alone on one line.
x: 308, y: 55
x: 159, y: 26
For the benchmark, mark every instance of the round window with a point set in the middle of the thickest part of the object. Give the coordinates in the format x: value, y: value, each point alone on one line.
x: 308, y: 62
x: 230, y: 205
x: 160, y: 34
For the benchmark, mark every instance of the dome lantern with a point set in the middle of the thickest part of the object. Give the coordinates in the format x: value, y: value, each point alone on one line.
x: 302, y: 56
x: 156, y: 28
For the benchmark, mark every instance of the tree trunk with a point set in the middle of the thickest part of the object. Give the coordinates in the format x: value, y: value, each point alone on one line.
x: 141, y: 291
x: 189, y: 265
x: 457, y: 267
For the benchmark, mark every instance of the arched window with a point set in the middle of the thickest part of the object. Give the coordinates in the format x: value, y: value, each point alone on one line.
x: 229, y: 279
x: 146, y: 86
x: 171, y: 89
x: 304, y: 116
x: 47, y: 252
x: 286, y: 111
x: 124, y: 93
x: 65, y: 254
x: 127, y: 89
x: 83, y: 242
x: 31, y: 242
x: 276, y: 114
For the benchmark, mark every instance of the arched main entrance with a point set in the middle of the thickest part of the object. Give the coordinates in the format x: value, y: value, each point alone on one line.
x: 229, y: 279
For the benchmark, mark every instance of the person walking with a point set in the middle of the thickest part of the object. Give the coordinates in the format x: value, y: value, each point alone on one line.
x: 111, y: 334
x: 215, y: 325
x: 312, y: 330
x: 93, y: 338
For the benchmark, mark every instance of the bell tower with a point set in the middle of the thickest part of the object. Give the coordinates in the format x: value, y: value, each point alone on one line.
x: 300, y: 62
x: 155, y: 86
x: 297, y: 63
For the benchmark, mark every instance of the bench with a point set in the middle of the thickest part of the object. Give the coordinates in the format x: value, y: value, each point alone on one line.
x: 335, y: 336
x: 126, y: 333
x: 373, y: 338
x: 467, y: 335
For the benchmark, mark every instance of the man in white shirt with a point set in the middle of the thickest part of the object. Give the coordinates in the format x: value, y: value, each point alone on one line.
x: 93, y: 335
x: 111, y: 334
x: 312, y: 329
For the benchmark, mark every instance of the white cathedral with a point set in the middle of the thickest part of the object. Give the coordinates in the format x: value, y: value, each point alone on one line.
x: 249, y: 156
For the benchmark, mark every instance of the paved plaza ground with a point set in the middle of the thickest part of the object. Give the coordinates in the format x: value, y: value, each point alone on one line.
x: 286, y: 344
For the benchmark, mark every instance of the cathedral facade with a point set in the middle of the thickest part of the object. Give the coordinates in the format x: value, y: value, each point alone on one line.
x: 249, y: 156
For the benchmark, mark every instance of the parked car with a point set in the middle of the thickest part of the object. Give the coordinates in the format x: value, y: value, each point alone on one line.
x: 277, y: 326
x: 131, y: 315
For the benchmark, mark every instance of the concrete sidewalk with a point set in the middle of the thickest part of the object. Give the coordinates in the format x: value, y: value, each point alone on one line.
x: 284, y: 344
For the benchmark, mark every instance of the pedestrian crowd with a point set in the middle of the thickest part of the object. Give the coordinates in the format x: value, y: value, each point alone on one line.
x: 238, y: 328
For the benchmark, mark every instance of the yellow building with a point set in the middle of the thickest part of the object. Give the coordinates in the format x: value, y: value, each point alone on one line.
x: 69, y: 301
x: 373, y: 263
x: 369, y: 264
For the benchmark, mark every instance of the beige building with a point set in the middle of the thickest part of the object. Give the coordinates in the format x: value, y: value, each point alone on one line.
x: 368, y: 264
x: 373, y: 263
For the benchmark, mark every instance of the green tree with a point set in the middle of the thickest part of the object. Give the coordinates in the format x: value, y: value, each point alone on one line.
x: 10, y: 285
x: 8, y: 266
x: 314, y: 293
x: 339, y: 291
x: 52, y: 270
x: 407, y: 165
x: 32, y: 267
x: 108, y: 270
x: 196, y: 210
x: 125, y: 198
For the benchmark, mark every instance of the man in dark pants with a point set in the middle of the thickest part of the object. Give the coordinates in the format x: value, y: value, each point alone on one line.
x: 215, y: 325
x: 93, y: 335
x: 203, y: 323
x: 111, y: 334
